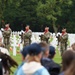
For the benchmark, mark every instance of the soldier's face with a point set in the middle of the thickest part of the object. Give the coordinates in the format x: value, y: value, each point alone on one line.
x: 27, y: 27
x: 64, y: 30
x: 46, y: 29
x: 6, y: 26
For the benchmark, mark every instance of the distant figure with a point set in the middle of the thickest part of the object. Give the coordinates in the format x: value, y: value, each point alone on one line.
x: 27, y: 36
x: 46, y: 35
x: 63, y: 42
x: 47, y: 60
x: 6, y: 34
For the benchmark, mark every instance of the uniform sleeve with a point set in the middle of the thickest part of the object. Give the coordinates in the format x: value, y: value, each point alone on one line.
x: 6, y: 33
x: 28, y: 34
x: 20, y: 72
x: 9, y: 31
x: 65, y: 36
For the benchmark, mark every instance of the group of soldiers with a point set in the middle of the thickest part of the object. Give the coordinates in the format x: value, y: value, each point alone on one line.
x: 62, y: 39
x: 27, y: 34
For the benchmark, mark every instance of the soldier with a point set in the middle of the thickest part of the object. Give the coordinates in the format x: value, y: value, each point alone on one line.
x: 6, y: 35
x: 63, y: 42
x: 46, y: 35
x: 27, y: 36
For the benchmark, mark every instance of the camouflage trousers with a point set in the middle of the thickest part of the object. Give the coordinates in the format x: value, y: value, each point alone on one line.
x: 27, y: 42
x: 7, y: 42
x: 63, y: 48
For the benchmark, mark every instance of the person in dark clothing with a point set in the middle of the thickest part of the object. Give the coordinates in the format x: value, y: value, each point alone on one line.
x: 49, y: 64
x: 54, y: 67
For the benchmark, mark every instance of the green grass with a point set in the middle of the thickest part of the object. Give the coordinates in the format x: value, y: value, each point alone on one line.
x: 51, y: 39
x: 17, y: 58
x: 57, y: 57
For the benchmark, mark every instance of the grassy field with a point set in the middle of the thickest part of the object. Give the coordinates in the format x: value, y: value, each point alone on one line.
x: 17, y: 58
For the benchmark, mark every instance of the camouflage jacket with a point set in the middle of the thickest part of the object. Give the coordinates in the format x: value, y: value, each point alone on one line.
x: 64, y: 38
x: 7, y: 33
x: 27, y: 35
x: 47, y: 35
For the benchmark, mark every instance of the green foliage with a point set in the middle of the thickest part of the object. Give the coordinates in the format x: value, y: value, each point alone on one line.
x: 38, y: 13
x: 53, y: 10
x: 50, y: 9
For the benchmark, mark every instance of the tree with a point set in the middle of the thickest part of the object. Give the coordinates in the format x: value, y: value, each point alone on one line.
x: 53, y: 10
x: 38, y: 13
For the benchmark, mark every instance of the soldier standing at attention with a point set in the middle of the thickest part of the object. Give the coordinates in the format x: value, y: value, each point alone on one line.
x: 63, y: 42
x: 6, y: 34
x: 46, y: 35
x: 27, y: 36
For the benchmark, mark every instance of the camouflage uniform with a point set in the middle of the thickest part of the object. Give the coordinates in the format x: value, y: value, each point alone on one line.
x: 6, y: 35
x: 46, y: 37
x: 63, y: 43
x: 27, y: 37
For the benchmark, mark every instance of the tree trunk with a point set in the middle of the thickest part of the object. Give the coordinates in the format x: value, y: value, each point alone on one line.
x: 54, y: 27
